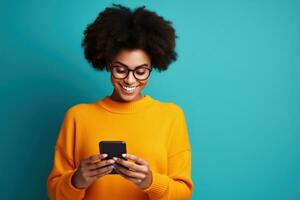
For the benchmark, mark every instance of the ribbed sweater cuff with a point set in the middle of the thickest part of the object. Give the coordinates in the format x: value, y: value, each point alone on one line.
x: 158, y: 186
x: 70, y: 190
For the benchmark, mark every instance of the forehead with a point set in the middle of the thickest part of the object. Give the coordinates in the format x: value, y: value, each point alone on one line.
x: 132, y: 58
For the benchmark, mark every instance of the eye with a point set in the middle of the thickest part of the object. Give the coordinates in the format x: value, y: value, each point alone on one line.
x: 120, y: 70
x: 141, y: 71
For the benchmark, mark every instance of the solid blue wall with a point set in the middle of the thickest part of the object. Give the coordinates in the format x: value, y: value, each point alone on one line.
x: 236, y: 77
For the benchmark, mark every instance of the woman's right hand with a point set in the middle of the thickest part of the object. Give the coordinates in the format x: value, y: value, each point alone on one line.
x: 90, y: 169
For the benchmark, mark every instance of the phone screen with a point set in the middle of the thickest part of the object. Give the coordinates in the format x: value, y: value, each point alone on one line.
x: 113, y: 149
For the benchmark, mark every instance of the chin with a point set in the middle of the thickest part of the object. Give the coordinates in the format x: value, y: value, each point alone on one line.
x: 128, y: 98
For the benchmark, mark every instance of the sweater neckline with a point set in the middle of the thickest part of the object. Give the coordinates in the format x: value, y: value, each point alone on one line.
x: 126, y: 107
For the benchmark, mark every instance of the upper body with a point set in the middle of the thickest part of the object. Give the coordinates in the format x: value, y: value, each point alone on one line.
x: 157, y: 164
x: 152, y: 130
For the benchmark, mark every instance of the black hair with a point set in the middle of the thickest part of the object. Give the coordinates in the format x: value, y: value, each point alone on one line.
x: 119, y: 27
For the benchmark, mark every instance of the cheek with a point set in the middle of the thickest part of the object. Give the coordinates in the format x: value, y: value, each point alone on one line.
x: 143, y: 84
x: 114, y: 81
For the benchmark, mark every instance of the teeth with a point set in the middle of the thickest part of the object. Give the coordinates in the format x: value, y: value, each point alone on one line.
x: 129, y: 88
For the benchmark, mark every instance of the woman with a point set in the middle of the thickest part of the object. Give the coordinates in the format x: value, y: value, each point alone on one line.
x: 128, y: 44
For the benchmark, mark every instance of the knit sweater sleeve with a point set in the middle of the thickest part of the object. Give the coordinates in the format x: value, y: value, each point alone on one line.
x: 59, y: 181
x: 177, y: 184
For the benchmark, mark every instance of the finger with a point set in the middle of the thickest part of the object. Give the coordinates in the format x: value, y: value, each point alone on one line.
x: 93, y: 178
x: 131, y: 174
x: 100, y: 164
x: 135, y: 180
x: 103, y: 155
x: 99, y: 171
x: 131, y: 165
x: 92, y: 159
x: 136, y: 159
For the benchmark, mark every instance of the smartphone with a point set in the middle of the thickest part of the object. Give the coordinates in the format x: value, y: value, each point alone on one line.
x: 113, y: 149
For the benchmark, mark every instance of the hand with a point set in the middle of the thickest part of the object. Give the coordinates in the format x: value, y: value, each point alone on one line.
x: 90, y: 169
x: 139, y: 172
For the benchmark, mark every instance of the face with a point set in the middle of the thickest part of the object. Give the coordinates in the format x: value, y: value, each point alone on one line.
x: 129, y: 88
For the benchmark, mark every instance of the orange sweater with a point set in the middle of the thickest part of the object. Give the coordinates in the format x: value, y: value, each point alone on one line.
x: 153, y: 130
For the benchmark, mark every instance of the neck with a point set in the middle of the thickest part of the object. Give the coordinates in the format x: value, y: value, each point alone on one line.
x: 116, y: 97
x: 135, y: 106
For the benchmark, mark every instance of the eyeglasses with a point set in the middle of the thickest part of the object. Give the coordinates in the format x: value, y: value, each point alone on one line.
x: 121, y: 72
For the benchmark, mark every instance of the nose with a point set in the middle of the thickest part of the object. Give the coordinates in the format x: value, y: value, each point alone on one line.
x: 130, y: 79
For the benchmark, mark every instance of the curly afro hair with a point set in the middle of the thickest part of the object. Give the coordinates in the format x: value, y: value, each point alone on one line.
x: 118, y: 28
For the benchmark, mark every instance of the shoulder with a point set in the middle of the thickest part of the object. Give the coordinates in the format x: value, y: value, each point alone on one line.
x: 170, y: 108
x: 78, y: 110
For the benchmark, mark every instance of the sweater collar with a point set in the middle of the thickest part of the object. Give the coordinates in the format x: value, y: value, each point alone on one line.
x: 126, y: 107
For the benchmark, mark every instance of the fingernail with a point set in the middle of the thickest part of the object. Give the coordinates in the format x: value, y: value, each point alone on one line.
x: 115, y: 158
x: 124, y: 155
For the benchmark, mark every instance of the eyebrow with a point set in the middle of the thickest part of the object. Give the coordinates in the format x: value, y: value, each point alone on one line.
x: 128, y: 67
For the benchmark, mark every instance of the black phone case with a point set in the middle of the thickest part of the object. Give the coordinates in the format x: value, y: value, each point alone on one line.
x: 113, y: 149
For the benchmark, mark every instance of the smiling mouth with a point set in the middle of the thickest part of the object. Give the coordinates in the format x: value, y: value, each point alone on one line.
x: 129, y: 90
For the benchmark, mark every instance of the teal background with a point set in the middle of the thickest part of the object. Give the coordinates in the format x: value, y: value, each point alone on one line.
x: 236, y: 77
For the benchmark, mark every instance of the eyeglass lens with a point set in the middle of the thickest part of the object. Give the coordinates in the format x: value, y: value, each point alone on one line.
x: 140, y: 73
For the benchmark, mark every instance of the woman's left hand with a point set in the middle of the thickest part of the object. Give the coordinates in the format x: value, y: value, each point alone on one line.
x: 139, y: 172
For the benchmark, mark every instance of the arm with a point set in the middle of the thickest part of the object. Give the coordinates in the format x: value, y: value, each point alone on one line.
x: 177, y: 184
x: 59, y: 181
